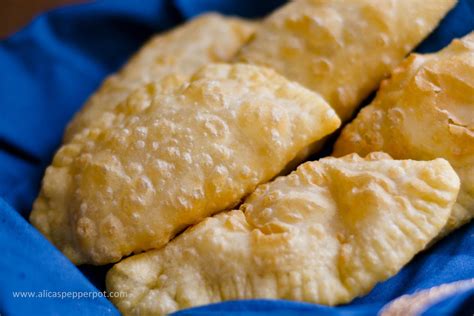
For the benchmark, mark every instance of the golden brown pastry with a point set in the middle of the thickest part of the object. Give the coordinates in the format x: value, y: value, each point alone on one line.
x: 326, y: 233
x: 181, y: 51
x: 342, y: 49
x: 171, y: 156
x: 425, y: 111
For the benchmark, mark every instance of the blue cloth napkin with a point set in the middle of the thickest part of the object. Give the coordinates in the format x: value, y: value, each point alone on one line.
x: 49, y: 69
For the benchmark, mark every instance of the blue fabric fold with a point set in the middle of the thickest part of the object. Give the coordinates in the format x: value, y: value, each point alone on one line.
x: 244, y: 8
x: 49, y: 69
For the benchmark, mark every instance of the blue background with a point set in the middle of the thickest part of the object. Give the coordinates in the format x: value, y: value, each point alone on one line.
x: 47, y: 71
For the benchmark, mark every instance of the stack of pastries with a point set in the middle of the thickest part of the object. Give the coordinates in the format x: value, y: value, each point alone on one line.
x: 185, y: 157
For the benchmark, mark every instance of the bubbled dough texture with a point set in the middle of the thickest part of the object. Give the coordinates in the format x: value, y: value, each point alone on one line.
x: 167, y: 160
x: 425, y: 111
x: 181, y: 51
x: 342, y: 49
x: 324, y: 234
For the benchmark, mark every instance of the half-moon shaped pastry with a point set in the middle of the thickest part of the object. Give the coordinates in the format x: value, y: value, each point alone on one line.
x: 425, y: 111
x: 326, y: 233
x: 171, y: 156
x: 181, y: 51
x: 342, y: 49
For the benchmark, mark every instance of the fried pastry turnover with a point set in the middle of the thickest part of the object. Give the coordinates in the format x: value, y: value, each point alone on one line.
x: 424, y: 111
x: 325, y: 234
x: 173, y: 154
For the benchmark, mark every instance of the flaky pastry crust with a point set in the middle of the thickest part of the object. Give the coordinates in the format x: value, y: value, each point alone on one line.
x: 342, y: 49
x: 326, y: 233
x: 171, y: 155
x: 424, y: 111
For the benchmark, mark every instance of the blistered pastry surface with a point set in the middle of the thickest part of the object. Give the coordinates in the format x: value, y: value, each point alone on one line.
x: 326, y: 233
x: 180, y: 52
x: 424, y: 111
x: 170, y: 156
x: 342, y: 49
